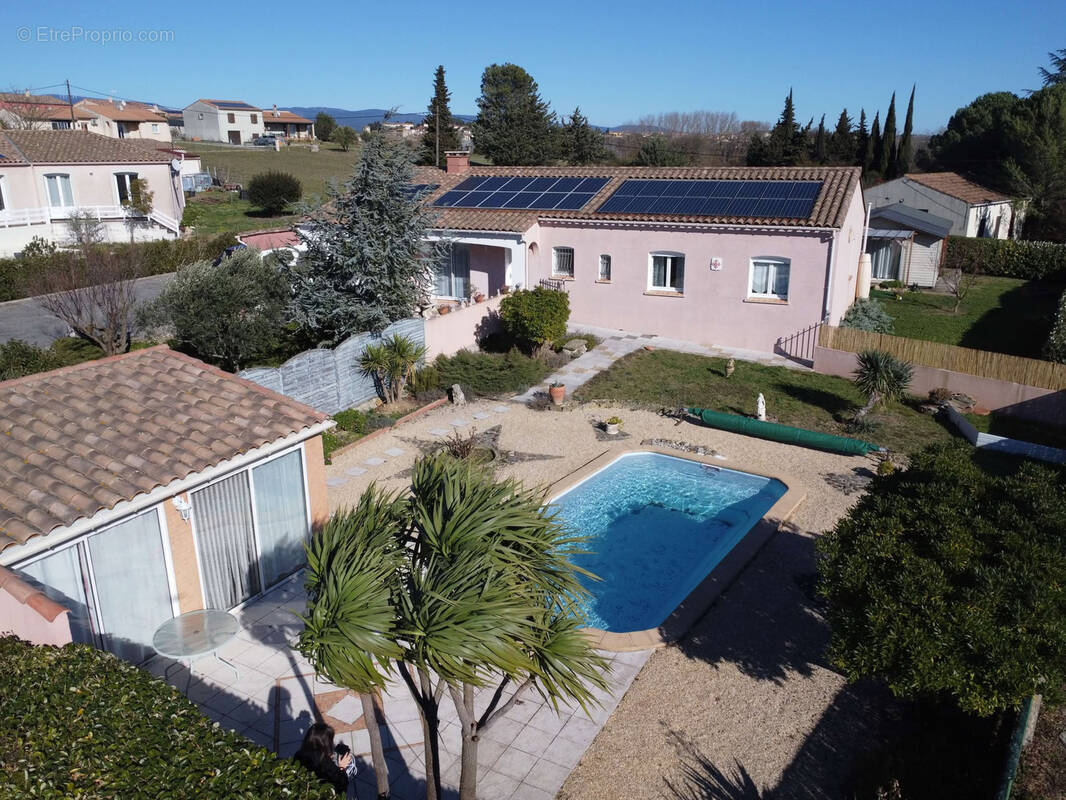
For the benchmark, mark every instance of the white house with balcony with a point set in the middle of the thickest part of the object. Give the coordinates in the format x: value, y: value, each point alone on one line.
x: 46, y: 177
x: 231, y: 121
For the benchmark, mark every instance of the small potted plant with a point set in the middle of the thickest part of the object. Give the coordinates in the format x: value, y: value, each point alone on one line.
x: 479, y: 297
x: 611, y: 425
x: 444, y: 308
x: 557, y: 392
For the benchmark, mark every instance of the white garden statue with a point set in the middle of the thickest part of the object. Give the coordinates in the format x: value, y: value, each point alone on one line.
x: 760, y: 408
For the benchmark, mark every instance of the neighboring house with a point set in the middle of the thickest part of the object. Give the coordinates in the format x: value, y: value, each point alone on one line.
x: 906, y: 245
x: 48, y: 176
x: 40, y: 112
x: 121, y: 119
x: 284, y: 241
x: 223, y: 121
x: 738, y: 256
x: 149, y: 484
x: 176, y: 121
x: 972, y: 209
x: 287, y: 124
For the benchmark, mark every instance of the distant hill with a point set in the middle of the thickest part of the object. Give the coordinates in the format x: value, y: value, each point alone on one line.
x: 364, y: 116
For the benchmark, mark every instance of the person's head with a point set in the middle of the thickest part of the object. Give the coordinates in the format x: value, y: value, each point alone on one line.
x: 319, y: 740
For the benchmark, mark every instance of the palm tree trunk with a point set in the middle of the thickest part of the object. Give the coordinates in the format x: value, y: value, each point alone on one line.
x: 431, y: 734
x: 873, y: 400
x: 377, y: 751
x: 464, y: 706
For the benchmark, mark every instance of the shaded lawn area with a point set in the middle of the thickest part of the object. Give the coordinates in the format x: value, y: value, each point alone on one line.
x: 217, y: 211
x: 1022, y: 429
x: 314, y: 170
x: 663, y: 378
x: 1042, y: 771
x: 1002, y: 315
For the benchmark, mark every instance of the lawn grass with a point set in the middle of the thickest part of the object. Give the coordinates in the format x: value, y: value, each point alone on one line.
x: 217, y: 211
x: 1002, y: 315
x: 667, y: 379
x: 314, y: 170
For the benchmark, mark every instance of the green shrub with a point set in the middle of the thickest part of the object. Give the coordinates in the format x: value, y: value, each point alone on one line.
x: 79, y: 722
x: 536, y: 317
x: 1055, y: 349
x: 18, y: 358
x: 351, y: 420
x: 490, y: 373
x: 1010, y: 258
x: 330, y: 443
x: 949, y: 578
x: 391, y: 363
x: 867, y: 315
x: 589, y: 340
x: 273, y: 191
x: 425, y: 380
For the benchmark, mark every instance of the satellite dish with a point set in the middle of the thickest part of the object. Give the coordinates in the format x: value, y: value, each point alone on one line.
x: 175, y: 165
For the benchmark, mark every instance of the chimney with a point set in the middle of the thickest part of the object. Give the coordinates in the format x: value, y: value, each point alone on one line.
x: 276, y: 114
x: 458, y: 161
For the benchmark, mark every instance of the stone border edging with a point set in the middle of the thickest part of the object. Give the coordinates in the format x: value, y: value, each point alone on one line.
x: 700, y: 599
x: 381, y: 431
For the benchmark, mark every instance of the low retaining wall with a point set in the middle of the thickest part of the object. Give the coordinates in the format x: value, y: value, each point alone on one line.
x: 30, y: 614
x: 331, y: 380
x: 1002, y: 444
x: 1025, y: 402
x: 447, y: 334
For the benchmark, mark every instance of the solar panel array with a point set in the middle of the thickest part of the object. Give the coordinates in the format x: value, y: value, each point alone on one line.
x: 542, y: 194
x: 230, y: 105
x: 792, y: 199
x: 417, y: 190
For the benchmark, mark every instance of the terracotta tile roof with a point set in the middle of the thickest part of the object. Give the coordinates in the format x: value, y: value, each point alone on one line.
x: 81, y: 439
x: 76, y: 147
x: 281, y: 115
x: 839, y: 184
x: 41, y: 106
x: 127, y: 112
x: 954, y: 185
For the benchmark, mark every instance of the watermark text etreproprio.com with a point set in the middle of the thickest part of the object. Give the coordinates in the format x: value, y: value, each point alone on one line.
x: 76, y: 33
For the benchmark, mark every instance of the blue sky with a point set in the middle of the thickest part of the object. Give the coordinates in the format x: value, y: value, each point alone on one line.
x: 616, y: 60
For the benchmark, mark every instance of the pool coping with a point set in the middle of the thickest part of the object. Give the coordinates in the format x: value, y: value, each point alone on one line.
x: 700, y: 599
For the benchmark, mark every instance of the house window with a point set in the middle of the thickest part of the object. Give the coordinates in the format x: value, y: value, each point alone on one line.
x: 155, y: 127
x: 255, y: 119
x: 200, y: 115
x: 562, y: 262
x: 666, y: 272
x: 605, y: 268
x: 885, y: 257
x: 3, y: 200
x: 124, y: 185
x: 769, y: 278
x: 231, y: 118
x: 452, y: 274
x: 61, y: 125
x: 60, y: 194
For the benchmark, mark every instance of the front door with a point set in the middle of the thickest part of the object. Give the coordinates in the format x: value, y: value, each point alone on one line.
x: 222, y: 516
x: 234, y: 137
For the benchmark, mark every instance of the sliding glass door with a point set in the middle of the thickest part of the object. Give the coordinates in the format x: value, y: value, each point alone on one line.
x: 61, y: 577
x: 281, y: 513
x: 453, y: 273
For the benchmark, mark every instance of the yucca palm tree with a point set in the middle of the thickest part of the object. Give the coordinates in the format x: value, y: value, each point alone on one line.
x: 391, y: 363
x: 880, y: 376
x: 349, y: 629
x: 474, y: 586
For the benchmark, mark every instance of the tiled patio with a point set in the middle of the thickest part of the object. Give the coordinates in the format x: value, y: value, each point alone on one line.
x: 525, y: 755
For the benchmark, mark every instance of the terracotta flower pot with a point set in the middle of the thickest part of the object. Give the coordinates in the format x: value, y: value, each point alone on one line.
x: 557, y: 394
x: 445, y: 309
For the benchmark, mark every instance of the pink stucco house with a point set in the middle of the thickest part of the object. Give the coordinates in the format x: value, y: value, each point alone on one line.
x: 730, y: 256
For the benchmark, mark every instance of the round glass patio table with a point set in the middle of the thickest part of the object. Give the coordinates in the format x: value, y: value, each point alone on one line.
x: 194, y: 634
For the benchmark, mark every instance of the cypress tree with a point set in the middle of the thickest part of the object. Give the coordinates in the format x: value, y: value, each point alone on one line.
x: 886, y: 159
x: 873, y: 146
x: 514, y: 126
x: 842, y: 141
x: 906, y: 146
x: 439, y: 119
x: 862, y: 139
x: 581, y: 143
x: 820, y: 144
x: 787, y: 143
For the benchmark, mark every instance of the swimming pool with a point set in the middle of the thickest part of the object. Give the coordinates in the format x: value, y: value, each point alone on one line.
x: 656, y: 526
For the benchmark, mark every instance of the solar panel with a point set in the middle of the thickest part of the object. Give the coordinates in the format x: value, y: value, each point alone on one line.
x: 539, y: 193
x: 415, y: 190
x: 234, y: 106
x: 791, y: 199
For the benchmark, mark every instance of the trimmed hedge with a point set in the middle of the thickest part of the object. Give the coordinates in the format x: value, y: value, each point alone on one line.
x: 159, y: 257
x: 490, y: 373
x: 535, y: 316
x: 1055, y: 350
x: 78, y: 722
x: 1009, y: 258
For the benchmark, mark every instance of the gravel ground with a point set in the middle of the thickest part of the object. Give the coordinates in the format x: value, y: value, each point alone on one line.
x: 744, y: 702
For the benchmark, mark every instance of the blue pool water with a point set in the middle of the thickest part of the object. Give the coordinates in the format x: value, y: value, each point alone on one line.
x: 657, y: 525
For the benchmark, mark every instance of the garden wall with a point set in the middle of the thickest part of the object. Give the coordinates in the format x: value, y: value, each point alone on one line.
x: 1002, y: 444
x: 447, y: 334
x: 1026, y: 402
x: 331, y: 380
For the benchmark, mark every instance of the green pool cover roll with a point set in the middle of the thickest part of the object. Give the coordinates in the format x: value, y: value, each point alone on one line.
x: 783, y: 433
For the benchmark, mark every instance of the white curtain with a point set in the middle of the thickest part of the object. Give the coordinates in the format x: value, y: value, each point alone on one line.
x: 884, y: 259
x: 760, y: 278
x: 133, y: 601
x: 281, y: 512
x: 222, y: 516
x: 59, y: 576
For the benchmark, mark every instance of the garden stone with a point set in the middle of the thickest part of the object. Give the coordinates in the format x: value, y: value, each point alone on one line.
x: 962, y: 403
x: 576, y: 348
x: 456, y: 392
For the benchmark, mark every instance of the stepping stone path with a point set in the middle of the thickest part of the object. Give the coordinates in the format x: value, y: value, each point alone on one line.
x: 394, y: 451
x: 374, y: 462
x: 481, y: 415
x: 501, y: 409
x: 459, y: 422
x: 355, y: 471
x: 439, y: 432
x: 334, y: 483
